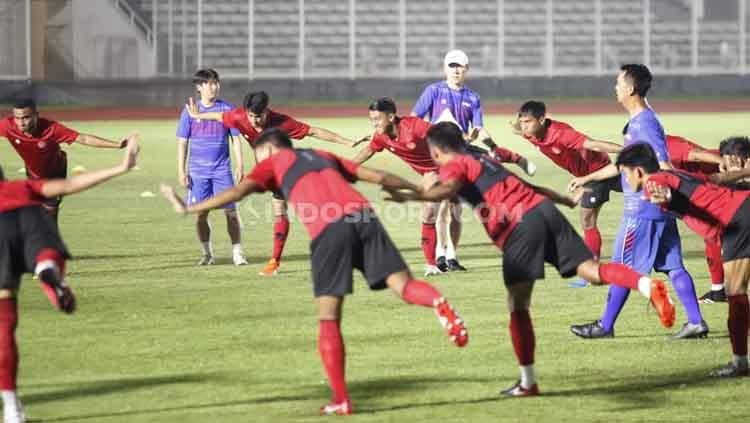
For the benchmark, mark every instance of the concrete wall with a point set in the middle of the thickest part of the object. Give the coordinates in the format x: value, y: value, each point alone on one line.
x: 170, y: 93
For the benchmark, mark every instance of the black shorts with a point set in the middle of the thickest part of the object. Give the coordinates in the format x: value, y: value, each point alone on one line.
x: 735, y: 240
x: 596, y: 193
x: 54, y: 203
x: 543, y: 235
x: 23, y: 234
x: 356, y: 241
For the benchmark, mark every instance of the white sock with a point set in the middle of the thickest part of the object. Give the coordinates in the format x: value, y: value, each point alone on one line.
x: 644, y: 286
x: 739, y: 361
x: 717, y: 286
x: 450, y: 252
x: 207, y: 248
x: 527, y: 376
x: 10, y: 402
x: 237, y: 249
x: 439, y: 250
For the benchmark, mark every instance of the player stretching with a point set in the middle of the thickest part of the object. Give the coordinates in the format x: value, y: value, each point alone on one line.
x: 209, y: 169
x: 648, y: 237
x: 406, y: 138
x: 713, y: 207
x: 579, y: 155
x: 251, y: 119
x: 37, y: 140
x: 345, y: 234
x: 528, y: 228
x: 452, y: 101
x: 30, y: 242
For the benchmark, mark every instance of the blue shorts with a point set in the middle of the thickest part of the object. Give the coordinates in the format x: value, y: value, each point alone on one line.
x: 646, y: 244
x: 200, y: 189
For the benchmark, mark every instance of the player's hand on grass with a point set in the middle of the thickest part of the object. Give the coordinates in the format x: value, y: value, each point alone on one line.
x: 131, y: 152
x: 171, y: 196
x: 658, y: 194
x: 362, y: 140
x: 515, y: 126
x: 192, y: 108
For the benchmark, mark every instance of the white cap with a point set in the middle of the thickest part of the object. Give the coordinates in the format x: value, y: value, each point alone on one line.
x: 456, y: 56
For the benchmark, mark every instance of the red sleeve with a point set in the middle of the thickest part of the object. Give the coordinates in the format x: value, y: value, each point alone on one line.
x: 294, y: 128
x: 453, y: 170
x: 376, y: 145
x: 678, y: 149
x: 348, y: 167
x: 572, y: 139
x: 263, y: 174
x: 229, y: 119
x: 665, y: 179
x: 63, y: 134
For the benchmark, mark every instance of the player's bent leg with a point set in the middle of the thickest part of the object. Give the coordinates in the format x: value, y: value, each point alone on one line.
x: 203, y: 228
x: 12, y: 409
x: 421, y: 293
x: 280, y: 234
x: 522, y: 336
x: 716, y: 294
x: 234, y: 230
x: 333, y: 354
x: 737, y: 276
x: 50, y: 269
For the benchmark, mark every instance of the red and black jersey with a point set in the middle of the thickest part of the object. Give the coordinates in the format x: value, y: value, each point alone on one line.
x: 679, y: 150
x: 499, y: 197
x: 695, y: 198
x: 410, y: 145
x: 316, y: 183
x: 237, y: 118
x: 22, y: 193
x: 40, y: 151
x: 564, y: 146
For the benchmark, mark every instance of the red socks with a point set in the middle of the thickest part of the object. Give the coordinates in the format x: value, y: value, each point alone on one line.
x: 593, y: 240
x: 8, y: 349
x: 333, y: 356
x: 713, y: 259
x: 737, y: 323
x: 522, y: 335
x: 420, y: 293
x: 429, y: 242
x: 619, y: 274
x: 280, y: 232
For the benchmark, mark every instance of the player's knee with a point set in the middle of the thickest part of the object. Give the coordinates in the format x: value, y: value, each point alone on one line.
x: 588, y: 218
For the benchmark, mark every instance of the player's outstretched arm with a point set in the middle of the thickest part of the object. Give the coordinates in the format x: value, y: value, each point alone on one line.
x: 555, y: 196
x: 606, y: 172
x: 602, y: 146
x: 232, y: 195
x: 330, y: 136
x: 704, y: 156
x: 193, y: 112
x: 98, y: 142
x: 439, y: 192
x: 385, y: 179
x: 58, y: 187
x: 729, y: 177
x: 363, y: 155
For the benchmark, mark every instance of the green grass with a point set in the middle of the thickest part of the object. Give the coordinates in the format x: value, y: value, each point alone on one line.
x: 157, y: 339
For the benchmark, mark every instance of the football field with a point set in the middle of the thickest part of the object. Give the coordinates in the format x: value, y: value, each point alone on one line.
x: 158, y: 339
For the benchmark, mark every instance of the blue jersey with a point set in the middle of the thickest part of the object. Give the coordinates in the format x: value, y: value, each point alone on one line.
x: 208, y: 142
x: 462, y: 105
x: 644, y: 128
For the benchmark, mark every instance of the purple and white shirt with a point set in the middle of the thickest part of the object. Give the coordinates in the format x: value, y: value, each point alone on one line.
x: 463, y: 105
x: 208, y: 142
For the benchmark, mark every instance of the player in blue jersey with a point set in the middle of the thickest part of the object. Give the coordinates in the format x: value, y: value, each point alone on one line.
x: 206, y: 170
x: 647, y: 238
x: 452, y: 101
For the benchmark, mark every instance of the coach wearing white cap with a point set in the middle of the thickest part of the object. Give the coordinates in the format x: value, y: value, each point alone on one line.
x: 452, y: 101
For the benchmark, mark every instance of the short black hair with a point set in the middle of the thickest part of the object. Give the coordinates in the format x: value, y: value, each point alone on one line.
x: 383, y: 104
x: 735, y: 146
x: 202, y: 76
x: 640, y: 76
x: 447, y: 136
x: 256, y: 101
x: 24, y: 103
x: 534, y: 108
x: 275, y: 137
x: 639, y: 154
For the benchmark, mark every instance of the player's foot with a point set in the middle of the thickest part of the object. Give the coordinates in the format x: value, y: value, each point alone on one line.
x: 692, y: 331
x: 341, y: 408
x: 272, y: 268
x: 239, y: 259
x: 528, y: 166
x: 59, y: 294
x: 455, y: 266
x: 441, y: 264
x: 431, y: 270
x: 730, y: 370
x: 592, y: 330
x: 579, y: 283
x: 712, y: 296
x: 662, y: 303
x: 206, y: 260
x: 451, y: 322
x: 518, y: 391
